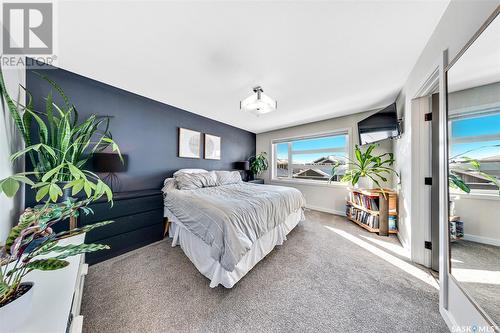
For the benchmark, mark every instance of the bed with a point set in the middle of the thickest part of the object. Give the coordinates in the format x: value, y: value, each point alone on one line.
x: 226, y: 226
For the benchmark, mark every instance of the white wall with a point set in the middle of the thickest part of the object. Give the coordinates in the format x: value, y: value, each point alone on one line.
x: 458, y: 24
x: 324, y: 197
x: 478, y: 212
x: 9, y: 143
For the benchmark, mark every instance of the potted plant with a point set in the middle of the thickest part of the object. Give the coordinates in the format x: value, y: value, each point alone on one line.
x: 367, y: 166
x: 58, y: 155
x: 258, y: 164
x: 60, y: 148
x: 375, y: 168
x: 33, y: 245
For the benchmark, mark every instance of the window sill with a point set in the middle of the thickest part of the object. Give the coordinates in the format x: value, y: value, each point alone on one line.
x: 493, y: 195
x: 308, y: 183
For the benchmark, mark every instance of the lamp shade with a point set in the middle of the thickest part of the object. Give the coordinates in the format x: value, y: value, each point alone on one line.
x: 258, y: 103
x: 105, y: 162
x: 242, y: 165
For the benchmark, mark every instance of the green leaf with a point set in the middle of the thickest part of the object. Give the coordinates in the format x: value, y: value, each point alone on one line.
x: 4, y: 288
x: 57, y: 88
x: 22, y: 179
x: 76, y: 186
x: 369, y: 150
x: 72, y: 250
x: 14, y: 110
x: 54, y: 192
x: 43, y: 131
x: 52, y: 172
x: 38, y: 147
x: 355, y: 178
x: 49, y: 264
x: 457, y: 182
x: 75, y: 172
x: 10, y: 187
x: 42, y: 192
x: 82, y: 230
x: 358, y: 154
x: 15, y: 232
x: 50, y: 116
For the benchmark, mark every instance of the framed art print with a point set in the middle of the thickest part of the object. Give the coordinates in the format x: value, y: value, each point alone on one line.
x: 189, y: 143
x: 212, y: 147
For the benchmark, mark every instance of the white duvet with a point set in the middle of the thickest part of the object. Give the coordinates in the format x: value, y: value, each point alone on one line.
x: 230, y: 218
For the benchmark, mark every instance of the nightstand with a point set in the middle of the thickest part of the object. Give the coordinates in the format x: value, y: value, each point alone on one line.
x: 256, y: 181
x: 138, y: 221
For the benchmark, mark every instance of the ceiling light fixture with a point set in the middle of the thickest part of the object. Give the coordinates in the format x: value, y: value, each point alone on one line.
x: 258, y: 103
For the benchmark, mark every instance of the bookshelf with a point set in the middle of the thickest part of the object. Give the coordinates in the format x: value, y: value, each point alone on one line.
x: 371, y: 211
x: 456, y: 227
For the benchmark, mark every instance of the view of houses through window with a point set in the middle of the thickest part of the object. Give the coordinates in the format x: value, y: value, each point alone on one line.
x: 476, y: 137
x: 311, y: 158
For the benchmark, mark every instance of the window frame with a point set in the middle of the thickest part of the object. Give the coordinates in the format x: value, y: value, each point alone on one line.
x: 475, y: 192
x: 341, y: 131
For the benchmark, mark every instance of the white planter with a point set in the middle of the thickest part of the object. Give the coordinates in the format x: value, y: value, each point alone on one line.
x: 364, y: 183
x: 16, y: 312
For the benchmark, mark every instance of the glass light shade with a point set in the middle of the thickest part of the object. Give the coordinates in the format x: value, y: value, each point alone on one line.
x: 258, y: 103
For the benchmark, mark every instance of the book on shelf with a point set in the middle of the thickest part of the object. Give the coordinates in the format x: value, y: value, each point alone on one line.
x: 363, y: 207
x: 456, y: 229
x: 362, y: 217
x: 393, y: 222
x: 368, y: 202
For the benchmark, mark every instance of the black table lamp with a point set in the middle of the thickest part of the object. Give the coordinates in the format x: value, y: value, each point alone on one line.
x: 111, y: 164
x: 244, y: 166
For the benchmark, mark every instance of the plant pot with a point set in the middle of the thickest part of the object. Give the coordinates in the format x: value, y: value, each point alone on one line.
x: 66, y: 192
x: 15, y: 313
x: 364, y: 183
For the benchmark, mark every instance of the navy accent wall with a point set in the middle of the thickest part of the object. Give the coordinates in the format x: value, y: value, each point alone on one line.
x: 146, y: 130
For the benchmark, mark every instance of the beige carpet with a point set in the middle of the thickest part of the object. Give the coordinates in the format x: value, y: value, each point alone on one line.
x: 322, y: 279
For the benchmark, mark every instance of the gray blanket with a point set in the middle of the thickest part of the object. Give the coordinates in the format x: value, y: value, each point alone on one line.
x: 230, y: 218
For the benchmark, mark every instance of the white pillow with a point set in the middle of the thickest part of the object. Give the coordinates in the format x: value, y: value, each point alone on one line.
x: 178, y: 172
x: 191, y: 181
x: 168, y: 185
x: 228, y: 177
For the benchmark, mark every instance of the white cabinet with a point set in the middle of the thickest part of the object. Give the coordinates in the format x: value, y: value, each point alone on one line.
x: 57, y: 296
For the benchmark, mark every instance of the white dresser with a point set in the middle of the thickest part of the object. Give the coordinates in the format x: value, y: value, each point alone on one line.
x: 57, y: 296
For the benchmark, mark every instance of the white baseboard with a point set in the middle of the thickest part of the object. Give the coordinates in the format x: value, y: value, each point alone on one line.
x: 481, y: 239
x: 326, y: 210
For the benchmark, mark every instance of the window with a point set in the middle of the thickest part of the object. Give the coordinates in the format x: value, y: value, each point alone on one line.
x: 311, y: 158
x: 476, y: 137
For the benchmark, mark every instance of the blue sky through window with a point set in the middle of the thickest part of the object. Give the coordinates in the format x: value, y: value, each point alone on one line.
x: 337, y: 141
x: 477, y: 126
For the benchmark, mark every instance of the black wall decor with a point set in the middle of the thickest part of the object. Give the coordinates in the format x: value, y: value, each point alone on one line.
x: 146, y: 130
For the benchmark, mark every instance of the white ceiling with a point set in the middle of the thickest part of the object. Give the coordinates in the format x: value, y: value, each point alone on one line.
x: 319, y: 59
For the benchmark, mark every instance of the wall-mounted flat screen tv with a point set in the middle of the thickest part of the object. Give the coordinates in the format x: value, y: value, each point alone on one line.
x: 379, y: 126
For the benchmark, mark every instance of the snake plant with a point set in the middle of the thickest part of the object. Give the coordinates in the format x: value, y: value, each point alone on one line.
x: 60, y: 146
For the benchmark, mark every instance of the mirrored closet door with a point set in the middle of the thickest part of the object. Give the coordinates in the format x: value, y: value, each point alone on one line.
x: 473, y: 123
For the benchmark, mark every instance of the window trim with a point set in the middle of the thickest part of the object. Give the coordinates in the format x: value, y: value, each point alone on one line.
x: 347, y: 131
